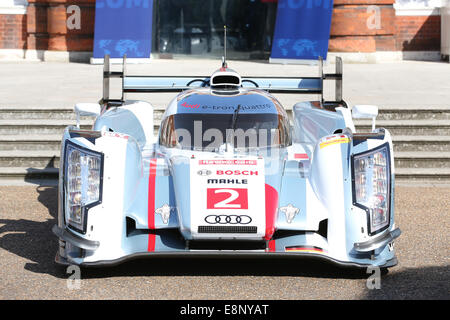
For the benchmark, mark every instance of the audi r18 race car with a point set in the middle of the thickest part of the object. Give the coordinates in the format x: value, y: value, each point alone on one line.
x: 228, y: 174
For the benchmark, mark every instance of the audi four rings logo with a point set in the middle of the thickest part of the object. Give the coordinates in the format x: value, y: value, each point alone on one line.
x: 231, y: 219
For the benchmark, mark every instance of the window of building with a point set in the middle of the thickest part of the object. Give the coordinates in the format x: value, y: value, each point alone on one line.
x: 196, y: 27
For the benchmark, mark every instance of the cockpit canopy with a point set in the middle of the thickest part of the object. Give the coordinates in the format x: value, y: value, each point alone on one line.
x: 204, y: 120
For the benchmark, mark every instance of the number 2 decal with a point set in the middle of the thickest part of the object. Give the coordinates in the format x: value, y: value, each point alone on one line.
x: 226, y: 203
x: 221, y: 198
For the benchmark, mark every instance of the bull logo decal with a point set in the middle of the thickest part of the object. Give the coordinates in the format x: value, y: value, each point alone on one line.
x: 290, y: 212
x: 164, y: 211
x: 204, y: 172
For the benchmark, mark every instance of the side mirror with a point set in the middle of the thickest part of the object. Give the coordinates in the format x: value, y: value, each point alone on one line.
x: 365, y: 112
x: 86, y: 109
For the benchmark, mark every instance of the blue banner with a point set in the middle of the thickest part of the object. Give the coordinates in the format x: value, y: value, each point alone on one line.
x: 302, y: 29
x: 123, y: 27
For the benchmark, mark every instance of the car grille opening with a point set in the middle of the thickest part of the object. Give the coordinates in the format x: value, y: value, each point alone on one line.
x: 227, y: 229
x: 235, y: 245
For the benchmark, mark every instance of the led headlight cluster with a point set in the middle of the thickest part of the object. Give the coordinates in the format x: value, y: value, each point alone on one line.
x: 371, y: 186
x: 82, y: 183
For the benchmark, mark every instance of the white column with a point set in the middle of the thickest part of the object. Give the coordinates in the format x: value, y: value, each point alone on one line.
x: 13, y: 6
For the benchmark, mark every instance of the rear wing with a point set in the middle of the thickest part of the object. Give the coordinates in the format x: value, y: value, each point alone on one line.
x: 146, y: 84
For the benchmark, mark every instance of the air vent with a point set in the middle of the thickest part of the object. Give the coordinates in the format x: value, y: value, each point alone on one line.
x: 237, y: 245
x: 226, y: 79
x: 227, y: 229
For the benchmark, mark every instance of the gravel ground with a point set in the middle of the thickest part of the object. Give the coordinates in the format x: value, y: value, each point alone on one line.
x: 27, y: 270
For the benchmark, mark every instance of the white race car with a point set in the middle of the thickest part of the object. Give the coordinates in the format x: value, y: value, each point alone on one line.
x: 228, y: 174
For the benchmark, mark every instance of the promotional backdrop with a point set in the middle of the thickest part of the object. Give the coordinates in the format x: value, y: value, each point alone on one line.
x: 302, y: 30
x: 123, y: 27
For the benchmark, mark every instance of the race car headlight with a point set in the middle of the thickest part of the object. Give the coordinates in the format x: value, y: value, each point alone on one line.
x: 371, y: 186
x: 82, y: 183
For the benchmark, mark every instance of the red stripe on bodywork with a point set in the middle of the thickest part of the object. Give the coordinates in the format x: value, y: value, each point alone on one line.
x: 271, y: 210
x: 151, y: 204
x: 272, y: 246
x: 300, y: 156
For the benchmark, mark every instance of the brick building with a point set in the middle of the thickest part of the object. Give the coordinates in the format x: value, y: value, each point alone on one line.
x: 360, y: 29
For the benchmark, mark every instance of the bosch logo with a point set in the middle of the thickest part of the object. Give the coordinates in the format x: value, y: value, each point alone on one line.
x: 225, y: 219
x: 237, y: 172
x: 204, y: 172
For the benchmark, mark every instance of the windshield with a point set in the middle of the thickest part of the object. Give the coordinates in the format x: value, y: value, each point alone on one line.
x: 207, y: 132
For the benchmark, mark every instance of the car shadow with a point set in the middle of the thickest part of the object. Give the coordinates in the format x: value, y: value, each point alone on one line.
x: 47, y: 176
x: 431, y: 282
x: 302, y: 267
x: 34, y: 241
